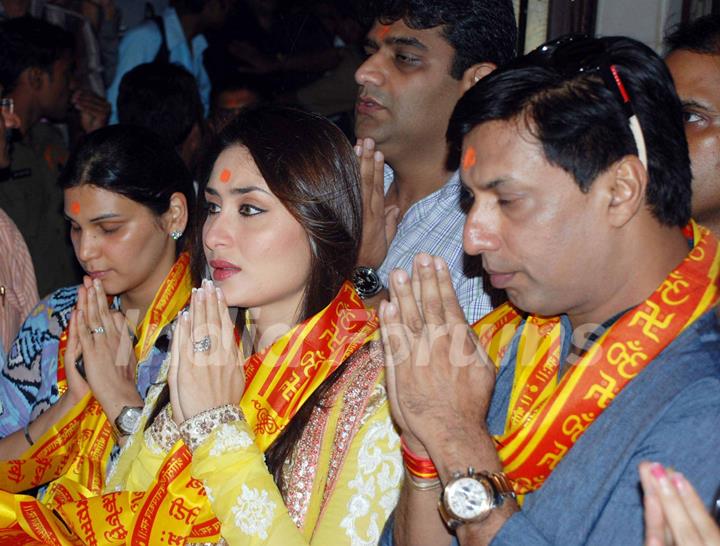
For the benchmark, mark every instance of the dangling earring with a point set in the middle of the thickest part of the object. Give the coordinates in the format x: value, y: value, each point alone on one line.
x: 175, y: 235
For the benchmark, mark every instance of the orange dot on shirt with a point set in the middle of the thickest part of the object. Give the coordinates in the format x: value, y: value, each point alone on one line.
x: 470, y: 158
x: 383, y: 31
x: 225, y: 176
x: 75, y: 207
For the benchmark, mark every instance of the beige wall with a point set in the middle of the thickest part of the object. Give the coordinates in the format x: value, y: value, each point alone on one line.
x: 644, y: 20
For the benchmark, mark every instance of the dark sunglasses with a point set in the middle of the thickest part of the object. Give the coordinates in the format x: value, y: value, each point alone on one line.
x: 578, y: 53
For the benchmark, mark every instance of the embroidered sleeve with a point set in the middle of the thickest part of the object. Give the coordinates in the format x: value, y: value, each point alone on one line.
x: 162, y: 435
x: 241, y: 491
x: 195, y: 431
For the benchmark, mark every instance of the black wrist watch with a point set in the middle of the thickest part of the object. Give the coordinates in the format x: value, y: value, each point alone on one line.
x: 367, y: 282
x: 471, y: 497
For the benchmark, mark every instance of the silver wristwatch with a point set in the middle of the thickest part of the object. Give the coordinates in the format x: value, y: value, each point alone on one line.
x: 127, y: 421
x: 471, y: 497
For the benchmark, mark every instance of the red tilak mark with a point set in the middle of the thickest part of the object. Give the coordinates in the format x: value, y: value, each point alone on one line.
x: 383, y: 31
x: 75, y: 207
x: 469, y: 159
x: 225, y: 176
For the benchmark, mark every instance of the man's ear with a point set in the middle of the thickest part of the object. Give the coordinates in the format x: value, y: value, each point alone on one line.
x: 625, y: 185
x: 475, y: 73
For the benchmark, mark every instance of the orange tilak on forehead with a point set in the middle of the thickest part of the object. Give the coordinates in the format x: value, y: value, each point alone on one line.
x: 383, y: 31
x: 225, y: 176
x: 75, y: 207
x: 470, y: 158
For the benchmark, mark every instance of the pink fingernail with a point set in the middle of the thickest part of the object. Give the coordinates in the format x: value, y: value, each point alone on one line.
x: 358, y: 151
x: 378, y: 156
x: 657, y: 470
x: 679, y: 481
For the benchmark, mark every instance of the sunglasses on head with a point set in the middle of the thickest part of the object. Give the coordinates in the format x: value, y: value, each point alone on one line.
x: 577, y: 54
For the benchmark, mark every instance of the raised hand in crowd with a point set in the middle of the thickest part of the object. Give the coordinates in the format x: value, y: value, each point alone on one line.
x: 674, y: 513
x: 379, y: 220
x: 94, y: 110
x: 206, y: 369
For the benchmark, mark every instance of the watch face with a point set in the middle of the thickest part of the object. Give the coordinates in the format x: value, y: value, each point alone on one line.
x: 128, y: 419
x: 469, y: 498
x: 366, y: 281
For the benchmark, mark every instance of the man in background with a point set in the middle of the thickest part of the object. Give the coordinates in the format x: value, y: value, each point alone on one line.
x: 36, y: 71
x: 693, y: 57
x: 422, y: 55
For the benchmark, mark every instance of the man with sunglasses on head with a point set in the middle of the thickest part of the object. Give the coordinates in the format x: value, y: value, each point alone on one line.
x: 531, y: 429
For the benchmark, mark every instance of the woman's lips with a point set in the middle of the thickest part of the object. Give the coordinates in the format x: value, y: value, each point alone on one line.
x: 98, y: 274
x: 222, y: 270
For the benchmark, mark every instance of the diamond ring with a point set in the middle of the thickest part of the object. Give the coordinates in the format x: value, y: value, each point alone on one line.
x: 201, y: 346
x: 98, y: 330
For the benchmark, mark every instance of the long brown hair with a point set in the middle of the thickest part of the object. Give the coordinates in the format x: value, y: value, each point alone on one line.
x: 310, y: 166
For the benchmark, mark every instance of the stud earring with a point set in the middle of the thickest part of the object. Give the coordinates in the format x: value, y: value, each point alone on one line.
x: 176, y: 234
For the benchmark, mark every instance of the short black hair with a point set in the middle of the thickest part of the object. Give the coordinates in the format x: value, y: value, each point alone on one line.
x: 27, y: 42
x: 478, y: 30
x: 188, y: 6
x: 699, y: 36
x: 163, y: 97
x: 582, y: 126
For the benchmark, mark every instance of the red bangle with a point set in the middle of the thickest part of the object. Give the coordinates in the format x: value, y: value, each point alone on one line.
x: 417, y: 466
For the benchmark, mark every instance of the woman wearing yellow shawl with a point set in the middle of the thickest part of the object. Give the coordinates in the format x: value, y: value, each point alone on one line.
x: 280, y: 235
x: 282, y: 438
x: 127, y: 198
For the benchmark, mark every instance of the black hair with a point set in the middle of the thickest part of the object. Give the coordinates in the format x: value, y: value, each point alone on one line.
x: 582, y: 126
x: 699, y: 36
x: 163, y: 97
x: 189, y: 6
x: 27, y: 42
x: 133, y: 162
x: 310, y: 166
x: 478, y: 30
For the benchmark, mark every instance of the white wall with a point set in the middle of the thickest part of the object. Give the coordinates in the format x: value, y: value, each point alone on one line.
x: 644, y: 20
